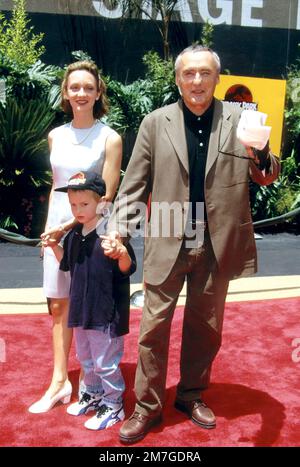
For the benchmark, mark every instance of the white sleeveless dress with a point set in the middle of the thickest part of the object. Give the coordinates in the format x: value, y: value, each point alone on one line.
x: 73, y: 150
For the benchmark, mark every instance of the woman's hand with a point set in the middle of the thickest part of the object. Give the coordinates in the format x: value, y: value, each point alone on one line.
x: 53, y: 235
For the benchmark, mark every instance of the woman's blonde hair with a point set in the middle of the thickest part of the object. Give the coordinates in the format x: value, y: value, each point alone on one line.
x: 101, y: 105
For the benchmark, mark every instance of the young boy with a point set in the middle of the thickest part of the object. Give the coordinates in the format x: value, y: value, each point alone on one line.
x: 99, y: 301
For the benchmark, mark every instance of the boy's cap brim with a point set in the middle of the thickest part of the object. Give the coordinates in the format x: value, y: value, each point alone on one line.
x: 85, y: 181
x: 63, y: 189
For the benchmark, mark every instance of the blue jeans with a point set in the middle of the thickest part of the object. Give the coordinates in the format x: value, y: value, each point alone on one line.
x: 99, y: 355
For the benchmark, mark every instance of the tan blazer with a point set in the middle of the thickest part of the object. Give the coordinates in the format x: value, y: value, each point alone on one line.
x: 159, y: 165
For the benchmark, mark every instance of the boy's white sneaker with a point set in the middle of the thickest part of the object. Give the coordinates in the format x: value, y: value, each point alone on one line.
x: 105, y: 417
x: 86, y: 403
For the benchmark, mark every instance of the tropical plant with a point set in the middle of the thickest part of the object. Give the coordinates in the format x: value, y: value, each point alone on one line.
x: 128, y: 105
x: 80, y: 55
x: 28, y: 94
x: 160, y: 12
x: 207, y: 34
x: 22, y: 74
x: 39, y: 81
x: 2, y: 90
x: 18, y: 42
x: 131, y: 99
x: 131, y: 102
x: 292, y: 112
x: 161, y: 79
x: 23, y: 163
x: 281, y: 196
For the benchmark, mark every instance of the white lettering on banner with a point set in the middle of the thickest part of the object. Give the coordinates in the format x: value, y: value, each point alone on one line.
x: 215, y: 11
x: 226, y: 11
x: 107, y: 12
x: 283, y: 14
x: 247, y: 6
x: 184, y: 11
x: 147, y: 7
x: 298, y: 16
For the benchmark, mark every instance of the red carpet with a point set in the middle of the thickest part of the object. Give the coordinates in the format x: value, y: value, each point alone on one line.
x: 254, y: 392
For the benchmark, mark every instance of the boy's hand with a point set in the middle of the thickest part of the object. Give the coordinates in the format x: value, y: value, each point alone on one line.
x: 112, y: 245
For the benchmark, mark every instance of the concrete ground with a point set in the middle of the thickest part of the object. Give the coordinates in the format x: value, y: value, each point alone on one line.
x: 278, y: 275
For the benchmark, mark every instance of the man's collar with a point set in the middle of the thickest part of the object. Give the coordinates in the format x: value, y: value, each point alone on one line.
x: 194, y: 119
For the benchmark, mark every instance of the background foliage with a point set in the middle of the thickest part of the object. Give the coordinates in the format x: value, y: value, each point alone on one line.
x: 27, y: 100
x: 284, y: 194
x: 30, y: 107
x: 17, y: 39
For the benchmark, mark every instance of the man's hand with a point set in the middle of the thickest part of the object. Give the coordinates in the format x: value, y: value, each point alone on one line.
x: 251, y: 154
x: 260, y: 157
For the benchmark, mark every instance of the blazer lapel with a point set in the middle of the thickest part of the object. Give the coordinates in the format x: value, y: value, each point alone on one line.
x: 176, y: 133
x: 221, y: 127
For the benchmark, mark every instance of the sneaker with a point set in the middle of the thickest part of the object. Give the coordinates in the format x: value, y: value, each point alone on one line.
x: 86, y: 403
x: 105, y: 417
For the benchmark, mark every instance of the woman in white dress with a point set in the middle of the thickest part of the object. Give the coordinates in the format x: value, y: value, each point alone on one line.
x: 83, y: 144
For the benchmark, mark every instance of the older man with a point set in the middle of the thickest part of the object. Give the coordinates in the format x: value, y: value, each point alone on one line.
x: 188, y: 154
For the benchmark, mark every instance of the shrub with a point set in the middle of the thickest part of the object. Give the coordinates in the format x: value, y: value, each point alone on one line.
x: 17, y: 39
x: 24, y: 170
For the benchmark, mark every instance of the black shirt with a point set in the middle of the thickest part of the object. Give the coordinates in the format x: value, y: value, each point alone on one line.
x: 197, y: 131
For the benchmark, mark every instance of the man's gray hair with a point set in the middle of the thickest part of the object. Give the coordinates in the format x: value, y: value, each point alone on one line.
x: 198, y: 48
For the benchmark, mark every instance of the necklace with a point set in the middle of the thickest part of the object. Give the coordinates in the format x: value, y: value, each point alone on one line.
x: 85, y: 131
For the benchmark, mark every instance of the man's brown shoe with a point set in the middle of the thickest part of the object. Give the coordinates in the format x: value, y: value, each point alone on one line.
x: 136, y: 427
x: 198, y: 412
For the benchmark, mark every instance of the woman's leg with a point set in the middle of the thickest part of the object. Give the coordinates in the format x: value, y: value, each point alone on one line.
x: 60, y: 388
x: 62, y: 339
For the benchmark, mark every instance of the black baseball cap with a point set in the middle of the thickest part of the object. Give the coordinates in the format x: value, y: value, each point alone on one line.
x: 85, y: 181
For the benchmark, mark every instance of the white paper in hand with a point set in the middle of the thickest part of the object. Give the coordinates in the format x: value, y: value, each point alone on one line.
x: 251, y: 130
